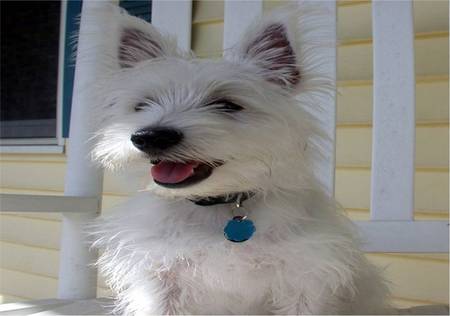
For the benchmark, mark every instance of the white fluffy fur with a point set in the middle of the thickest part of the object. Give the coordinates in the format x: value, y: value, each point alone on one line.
x: 164, y: 254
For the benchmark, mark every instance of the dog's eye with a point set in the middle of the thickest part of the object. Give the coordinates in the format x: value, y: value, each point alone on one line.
x: 225, y: 105
x: 141, y: 106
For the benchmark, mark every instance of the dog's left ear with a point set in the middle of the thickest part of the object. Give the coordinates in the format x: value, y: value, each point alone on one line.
x: 270, y: 46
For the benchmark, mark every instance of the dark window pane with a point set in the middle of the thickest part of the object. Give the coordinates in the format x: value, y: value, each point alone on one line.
x: 29, y: 68
x: 139, y: 8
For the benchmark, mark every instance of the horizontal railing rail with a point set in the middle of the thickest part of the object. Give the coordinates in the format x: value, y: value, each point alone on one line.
x: 48, y: 203
x: 404, y: 236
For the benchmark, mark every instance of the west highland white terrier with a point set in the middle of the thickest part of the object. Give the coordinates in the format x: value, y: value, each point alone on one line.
x: 233, y: 218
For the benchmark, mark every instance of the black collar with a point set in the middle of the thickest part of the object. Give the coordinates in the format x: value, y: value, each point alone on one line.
x: 222, y: 199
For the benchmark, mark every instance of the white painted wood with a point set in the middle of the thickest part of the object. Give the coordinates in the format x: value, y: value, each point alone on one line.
x: 28, y: 149
x: 77, y: 276
x: 174, y: 17
x: 393, y: 146
x: 27, y: 308
x: 27, y: 141
x: 238, y: 15
x: 404, y: 236
x: 47, y: 203
x: 392, y: 228
x: 327, y: 171
x: 101, y: 306
x: 330, y: 108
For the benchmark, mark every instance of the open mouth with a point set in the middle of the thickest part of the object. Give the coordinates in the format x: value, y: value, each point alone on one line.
x: 179, y: 174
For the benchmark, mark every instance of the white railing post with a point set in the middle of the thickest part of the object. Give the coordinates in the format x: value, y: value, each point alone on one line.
x: 327, y: 171
x: 392, y: 227
x: 77, y: 278
x: 238, y: 15
x: 174, y: 17
x: 393, y: 147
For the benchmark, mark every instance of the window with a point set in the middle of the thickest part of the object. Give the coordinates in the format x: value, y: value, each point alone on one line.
x: 139, y: 8
x: 38, y: 68
x: 29, y: 64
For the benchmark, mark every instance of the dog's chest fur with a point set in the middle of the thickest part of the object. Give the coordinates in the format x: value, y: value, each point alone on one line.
x: 172, y: 257
x: 232, y: 283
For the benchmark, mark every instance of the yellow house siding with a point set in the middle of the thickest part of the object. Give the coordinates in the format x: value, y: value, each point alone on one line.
x: 360, y: 14
x: 414, y: 279
x: 29, y: 243
x: 355, y: 57
x: 355, y: 101
x: 354, y: 147
x: 207, y: 12
x: 27, y: 285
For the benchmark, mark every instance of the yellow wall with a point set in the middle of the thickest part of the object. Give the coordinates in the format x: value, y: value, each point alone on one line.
x: 29, y: 243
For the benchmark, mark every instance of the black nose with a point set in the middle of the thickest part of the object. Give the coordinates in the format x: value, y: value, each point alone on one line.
x: 154, y: 139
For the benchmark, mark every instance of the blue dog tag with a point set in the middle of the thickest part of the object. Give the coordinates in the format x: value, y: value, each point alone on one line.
x: 239, y: 229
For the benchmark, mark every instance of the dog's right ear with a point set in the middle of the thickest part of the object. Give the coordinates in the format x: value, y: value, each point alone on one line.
x: 270, y: 44
x: 140, y: 41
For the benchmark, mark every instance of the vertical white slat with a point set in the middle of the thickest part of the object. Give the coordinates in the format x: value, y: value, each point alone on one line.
x: 393, y: 149
x: 77, y: 277
x: 174, y: 17
x: 327, y: 169
x: 238, y: 15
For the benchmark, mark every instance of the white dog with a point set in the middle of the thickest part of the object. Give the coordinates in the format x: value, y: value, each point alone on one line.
x: 232, y: 220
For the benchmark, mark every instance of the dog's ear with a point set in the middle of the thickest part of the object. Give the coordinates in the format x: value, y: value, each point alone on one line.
x: 270, y: 45
x: 141, y: 41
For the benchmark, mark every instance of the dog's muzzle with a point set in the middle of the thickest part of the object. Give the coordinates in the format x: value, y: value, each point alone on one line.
x: 154, y: 141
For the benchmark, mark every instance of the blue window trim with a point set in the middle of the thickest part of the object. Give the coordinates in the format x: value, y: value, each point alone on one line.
x: 73, y: 11
x: 142, y: 9
x: 139, y: 8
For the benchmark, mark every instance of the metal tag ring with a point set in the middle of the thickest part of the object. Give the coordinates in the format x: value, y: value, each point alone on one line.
x: 239, y: 211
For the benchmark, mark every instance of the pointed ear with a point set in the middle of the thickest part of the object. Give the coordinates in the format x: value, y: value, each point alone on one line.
x: 270, y: 46
x: 141, y: 41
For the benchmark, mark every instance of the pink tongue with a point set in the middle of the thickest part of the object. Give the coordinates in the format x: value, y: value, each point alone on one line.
x: 172, y: 172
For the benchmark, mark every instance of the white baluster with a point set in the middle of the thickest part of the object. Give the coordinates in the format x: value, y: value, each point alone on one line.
x: 393, y: 147
x: 174, y: 17
x: 237, y: 17
x: 77, y: 278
